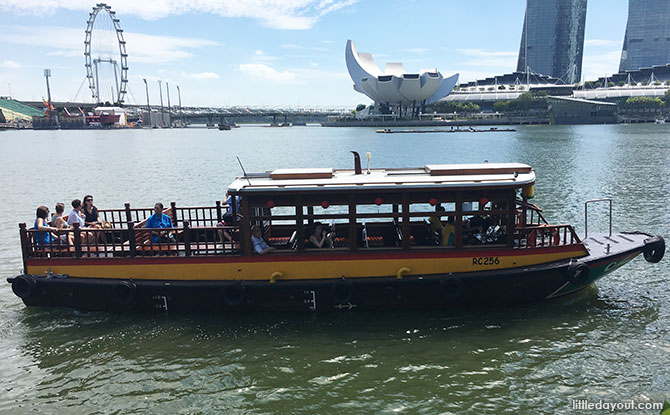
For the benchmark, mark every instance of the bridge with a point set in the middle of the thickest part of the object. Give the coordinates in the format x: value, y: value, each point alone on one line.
x: 212, y: 115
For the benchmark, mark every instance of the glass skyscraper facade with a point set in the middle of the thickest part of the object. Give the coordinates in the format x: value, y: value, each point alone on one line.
x: 647, y: 40
x: 552, y: 41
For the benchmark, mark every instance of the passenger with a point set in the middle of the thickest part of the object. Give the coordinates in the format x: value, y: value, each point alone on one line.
x: 48, y: 234
x: 435, y: 221
x: 159, y: 220
x: 319, y: 238
x: 76, y: 216
x: 90, y: 212
x: 59, y: 223
x: 448, y: 232
x: 229, y: 201
x: 224, y: 235
x: 259, y: 245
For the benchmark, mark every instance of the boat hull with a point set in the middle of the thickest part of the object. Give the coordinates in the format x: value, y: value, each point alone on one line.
x: 440, y: 290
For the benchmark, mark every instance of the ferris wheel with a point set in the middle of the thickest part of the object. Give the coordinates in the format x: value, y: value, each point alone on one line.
x: 106, y: 57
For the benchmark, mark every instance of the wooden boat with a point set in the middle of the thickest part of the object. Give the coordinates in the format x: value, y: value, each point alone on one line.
x: 383, y: 252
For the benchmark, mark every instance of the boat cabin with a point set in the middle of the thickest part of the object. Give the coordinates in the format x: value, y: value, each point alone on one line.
x: 434, y: 207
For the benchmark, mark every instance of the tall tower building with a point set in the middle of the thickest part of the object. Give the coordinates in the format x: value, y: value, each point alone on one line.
x: 647, y: 39
x: 552, y: 41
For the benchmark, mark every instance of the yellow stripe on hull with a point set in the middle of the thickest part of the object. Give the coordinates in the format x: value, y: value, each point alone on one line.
x: 356, y: 267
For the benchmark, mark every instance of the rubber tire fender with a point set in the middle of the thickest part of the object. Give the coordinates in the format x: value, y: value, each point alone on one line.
x: 654, y: 251
x: 342, y: 292
x: 24, y: 286
x: 578, y: 272
x: 124, y: 292
x: 234, y: 294
x: 451, y: 288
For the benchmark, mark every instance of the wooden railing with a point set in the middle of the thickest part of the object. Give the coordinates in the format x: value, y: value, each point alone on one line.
x: 544, y: 236
x: 130, y: 241
x: 195, y: 215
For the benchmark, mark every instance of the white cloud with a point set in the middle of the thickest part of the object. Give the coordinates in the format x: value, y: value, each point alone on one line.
x: 261, y: 70
x: 278, y: 14
x: 10, y: 64
x: 200, y: 75
x: 68, y: 42
x: 417, y: 51
x: 602, y: 42
x: 595, y: 66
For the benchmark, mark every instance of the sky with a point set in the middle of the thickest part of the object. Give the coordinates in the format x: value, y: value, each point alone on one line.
x: 276, y: 53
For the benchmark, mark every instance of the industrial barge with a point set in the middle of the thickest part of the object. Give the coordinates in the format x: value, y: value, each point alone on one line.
x: 439, y: 236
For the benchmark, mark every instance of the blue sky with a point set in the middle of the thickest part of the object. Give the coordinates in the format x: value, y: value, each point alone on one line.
x: 286, y: 53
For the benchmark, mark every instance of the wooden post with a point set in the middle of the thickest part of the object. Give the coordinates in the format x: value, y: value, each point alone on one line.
x: 299, y: 225
x: 219, y: 216
x: 77, y: 240
x: 131, y: 238
x: 173, y: 208
x: 245, y: 228
x: 405, y: 221
x: 458, y: 221
x: 353, y: 234
x: 511, y: 216
x: 25, y: 244
x: 129, y: 217
x: 310, y: 215
x: 187, y: 238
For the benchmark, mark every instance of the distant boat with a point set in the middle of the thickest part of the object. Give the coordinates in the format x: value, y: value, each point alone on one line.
x: 225, y: 127
x: 660, y: 121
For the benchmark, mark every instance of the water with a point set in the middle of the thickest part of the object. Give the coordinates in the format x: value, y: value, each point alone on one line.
x: 611, y: 342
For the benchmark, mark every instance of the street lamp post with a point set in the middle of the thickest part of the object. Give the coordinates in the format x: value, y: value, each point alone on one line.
x: 181, y: 114
x: 167, y: 88
x: 47, y: 74
x: 148, y: 106
x: 160, y: 89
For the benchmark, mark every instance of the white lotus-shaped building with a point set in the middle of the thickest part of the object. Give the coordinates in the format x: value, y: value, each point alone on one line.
x: 394, y: 86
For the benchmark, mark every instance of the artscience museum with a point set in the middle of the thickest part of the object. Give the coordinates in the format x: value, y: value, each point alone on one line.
x: 394, y: 89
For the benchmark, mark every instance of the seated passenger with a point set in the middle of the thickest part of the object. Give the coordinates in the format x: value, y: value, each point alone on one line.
x: 76, y: 216
x: 159, y: 220
x: 59, y: 223
x: 435, y: 221
x: 47, y: 236
x: 448, y: 232
x: 319, y: 238
x: 258, y: 243
x: 90, y: 212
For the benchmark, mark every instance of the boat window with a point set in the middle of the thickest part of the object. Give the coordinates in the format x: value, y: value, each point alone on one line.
x: 378, y: 224
x: 484, y: 221
x: 433, y: 223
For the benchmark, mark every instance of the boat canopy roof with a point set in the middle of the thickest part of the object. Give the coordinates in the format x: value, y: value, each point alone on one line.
x: 430, y: 176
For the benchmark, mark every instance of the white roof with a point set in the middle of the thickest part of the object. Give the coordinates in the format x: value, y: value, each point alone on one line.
x: 434, y: 176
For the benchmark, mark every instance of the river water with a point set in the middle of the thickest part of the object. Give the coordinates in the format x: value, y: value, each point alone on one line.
x: 610, y: 343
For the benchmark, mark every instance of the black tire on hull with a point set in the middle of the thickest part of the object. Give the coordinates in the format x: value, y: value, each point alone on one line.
x: 578, y: 273
x: 24, y: 286
x: 234, y: 294
x: 451, y: 288
x: 124, y: 292
x: 654, y: 251
x: 342, y: 292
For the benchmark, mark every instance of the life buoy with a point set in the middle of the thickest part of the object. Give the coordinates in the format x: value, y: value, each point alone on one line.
x: 578, y: 273
x: 24, y: 286
x: 124, y: 292
x: 342, y: 292
x: 234, y: 294
x: 451, y: 288
x: 654, y: 251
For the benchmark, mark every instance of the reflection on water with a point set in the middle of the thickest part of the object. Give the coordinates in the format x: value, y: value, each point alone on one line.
x: 608, y: 342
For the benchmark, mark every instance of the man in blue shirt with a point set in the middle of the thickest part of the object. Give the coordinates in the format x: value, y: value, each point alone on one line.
x: 158, y: 220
